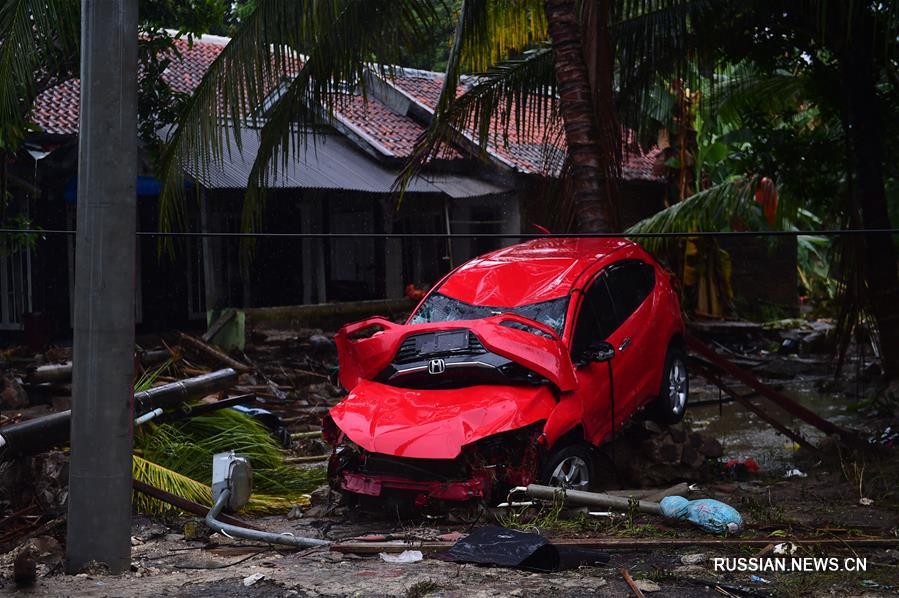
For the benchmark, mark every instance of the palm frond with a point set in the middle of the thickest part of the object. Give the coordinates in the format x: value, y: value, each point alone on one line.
x: 319, y: 50
x: 720, y: 208
x: 187, y: 447
x: 753, y: 92
x: 166, y: 479
x: 179, y: 484
x: 656, y: 41
x: 493, y: 31
x: 37, y: 37
x: 149, y: 377
x: 519, y: 92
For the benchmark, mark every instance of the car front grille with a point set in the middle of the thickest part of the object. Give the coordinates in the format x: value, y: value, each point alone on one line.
x: 408, y: 351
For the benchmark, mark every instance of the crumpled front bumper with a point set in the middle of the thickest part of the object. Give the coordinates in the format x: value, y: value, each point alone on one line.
x: 374, y: 485
x: 508, y: 459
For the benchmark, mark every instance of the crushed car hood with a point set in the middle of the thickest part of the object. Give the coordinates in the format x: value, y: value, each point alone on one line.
x: 436, y: 424
x: 539, y: 349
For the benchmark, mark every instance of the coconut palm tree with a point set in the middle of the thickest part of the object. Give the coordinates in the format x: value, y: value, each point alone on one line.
x: 538, y: 59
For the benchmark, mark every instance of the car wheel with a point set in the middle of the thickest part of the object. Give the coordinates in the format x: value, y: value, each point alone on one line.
x: 570, y: 467
x: 670, y: 405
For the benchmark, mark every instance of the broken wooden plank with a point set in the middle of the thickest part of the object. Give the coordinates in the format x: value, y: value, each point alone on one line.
x: 628, y: 543
x: 788, y: 404
x: 217, y: 326
x: 212, y: 352
x: 626, y: 575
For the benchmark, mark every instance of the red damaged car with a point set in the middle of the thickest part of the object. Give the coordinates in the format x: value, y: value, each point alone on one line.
x: 510, y: 371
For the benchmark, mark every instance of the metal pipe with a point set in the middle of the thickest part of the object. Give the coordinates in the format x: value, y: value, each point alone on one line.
x: 44, y: 432
x: 147, y: 416
x: 591, y: 499
x: 250, y: 534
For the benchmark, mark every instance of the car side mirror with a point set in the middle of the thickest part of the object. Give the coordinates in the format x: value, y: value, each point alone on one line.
x: 597, y: 352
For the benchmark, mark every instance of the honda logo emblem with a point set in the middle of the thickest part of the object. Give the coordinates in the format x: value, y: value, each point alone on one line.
x: 436, y: 366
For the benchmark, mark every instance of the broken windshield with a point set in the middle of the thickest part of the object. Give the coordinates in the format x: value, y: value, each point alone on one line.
x: 442, y: 308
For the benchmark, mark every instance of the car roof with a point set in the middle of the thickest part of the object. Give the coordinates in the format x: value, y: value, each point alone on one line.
x: 529, y: 272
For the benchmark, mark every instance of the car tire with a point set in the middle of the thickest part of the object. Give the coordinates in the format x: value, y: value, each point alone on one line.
x: 669, y: 407
x: 570, y: 466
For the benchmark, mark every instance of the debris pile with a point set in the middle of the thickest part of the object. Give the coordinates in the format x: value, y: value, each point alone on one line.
x: 193, y: 398
x: 672, y: 454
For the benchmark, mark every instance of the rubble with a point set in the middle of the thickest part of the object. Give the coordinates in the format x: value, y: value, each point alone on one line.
x: 293, y: 383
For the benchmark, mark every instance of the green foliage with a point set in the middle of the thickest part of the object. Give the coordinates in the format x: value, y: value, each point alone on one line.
x: 719, y: 208
x: 187, y: 448
x: 38, y: 42
x: 177, y: 457
x: 13, y: 242
x: 168, y: 480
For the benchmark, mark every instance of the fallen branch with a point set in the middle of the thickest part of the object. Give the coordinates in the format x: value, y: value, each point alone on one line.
x: 62, y: 372
x: 212, y: 352
x: 184, y: 504
x: 13, y: 539
x: 591, y: 499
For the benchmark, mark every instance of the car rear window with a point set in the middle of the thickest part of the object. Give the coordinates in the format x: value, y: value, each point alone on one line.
x: 442, y: 308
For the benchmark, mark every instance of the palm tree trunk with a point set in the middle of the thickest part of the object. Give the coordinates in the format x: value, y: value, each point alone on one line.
x: 866, y: 140
x: 592, y: 170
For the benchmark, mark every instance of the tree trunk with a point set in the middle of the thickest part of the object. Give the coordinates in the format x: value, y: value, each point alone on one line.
x: 865, y: 137
x: 593, y: 172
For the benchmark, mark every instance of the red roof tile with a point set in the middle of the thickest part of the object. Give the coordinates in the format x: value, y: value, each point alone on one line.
x: 185, y: 74
x: 533, y: 150
x: 56, y: 109
x: 393, y: 134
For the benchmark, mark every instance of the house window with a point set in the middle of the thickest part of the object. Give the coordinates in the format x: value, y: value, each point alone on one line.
x: 15, y: 288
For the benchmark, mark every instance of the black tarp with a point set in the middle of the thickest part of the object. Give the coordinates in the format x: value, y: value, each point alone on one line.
x: 499, y: 546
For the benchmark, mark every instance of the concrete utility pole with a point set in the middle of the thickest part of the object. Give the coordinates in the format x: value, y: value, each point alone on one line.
x: 99, y: 521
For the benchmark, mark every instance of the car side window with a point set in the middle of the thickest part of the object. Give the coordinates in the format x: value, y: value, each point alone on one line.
x: 596, y: 319
x: 630, y: 282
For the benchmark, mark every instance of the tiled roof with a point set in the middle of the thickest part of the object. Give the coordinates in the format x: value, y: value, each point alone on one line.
x: 184, y: 75
x: 393, y: 134
x: 533, y: 150
x: 56, y: 109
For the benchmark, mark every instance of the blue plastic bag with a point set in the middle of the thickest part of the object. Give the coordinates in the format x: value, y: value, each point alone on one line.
x: 709, y: 514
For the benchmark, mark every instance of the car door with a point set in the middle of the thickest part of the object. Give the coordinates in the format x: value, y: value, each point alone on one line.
x: 595, y: 320
x: 633, y: 334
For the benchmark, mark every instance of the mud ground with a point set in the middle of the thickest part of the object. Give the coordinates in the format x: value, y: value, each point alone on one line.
x: 824, y: 504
